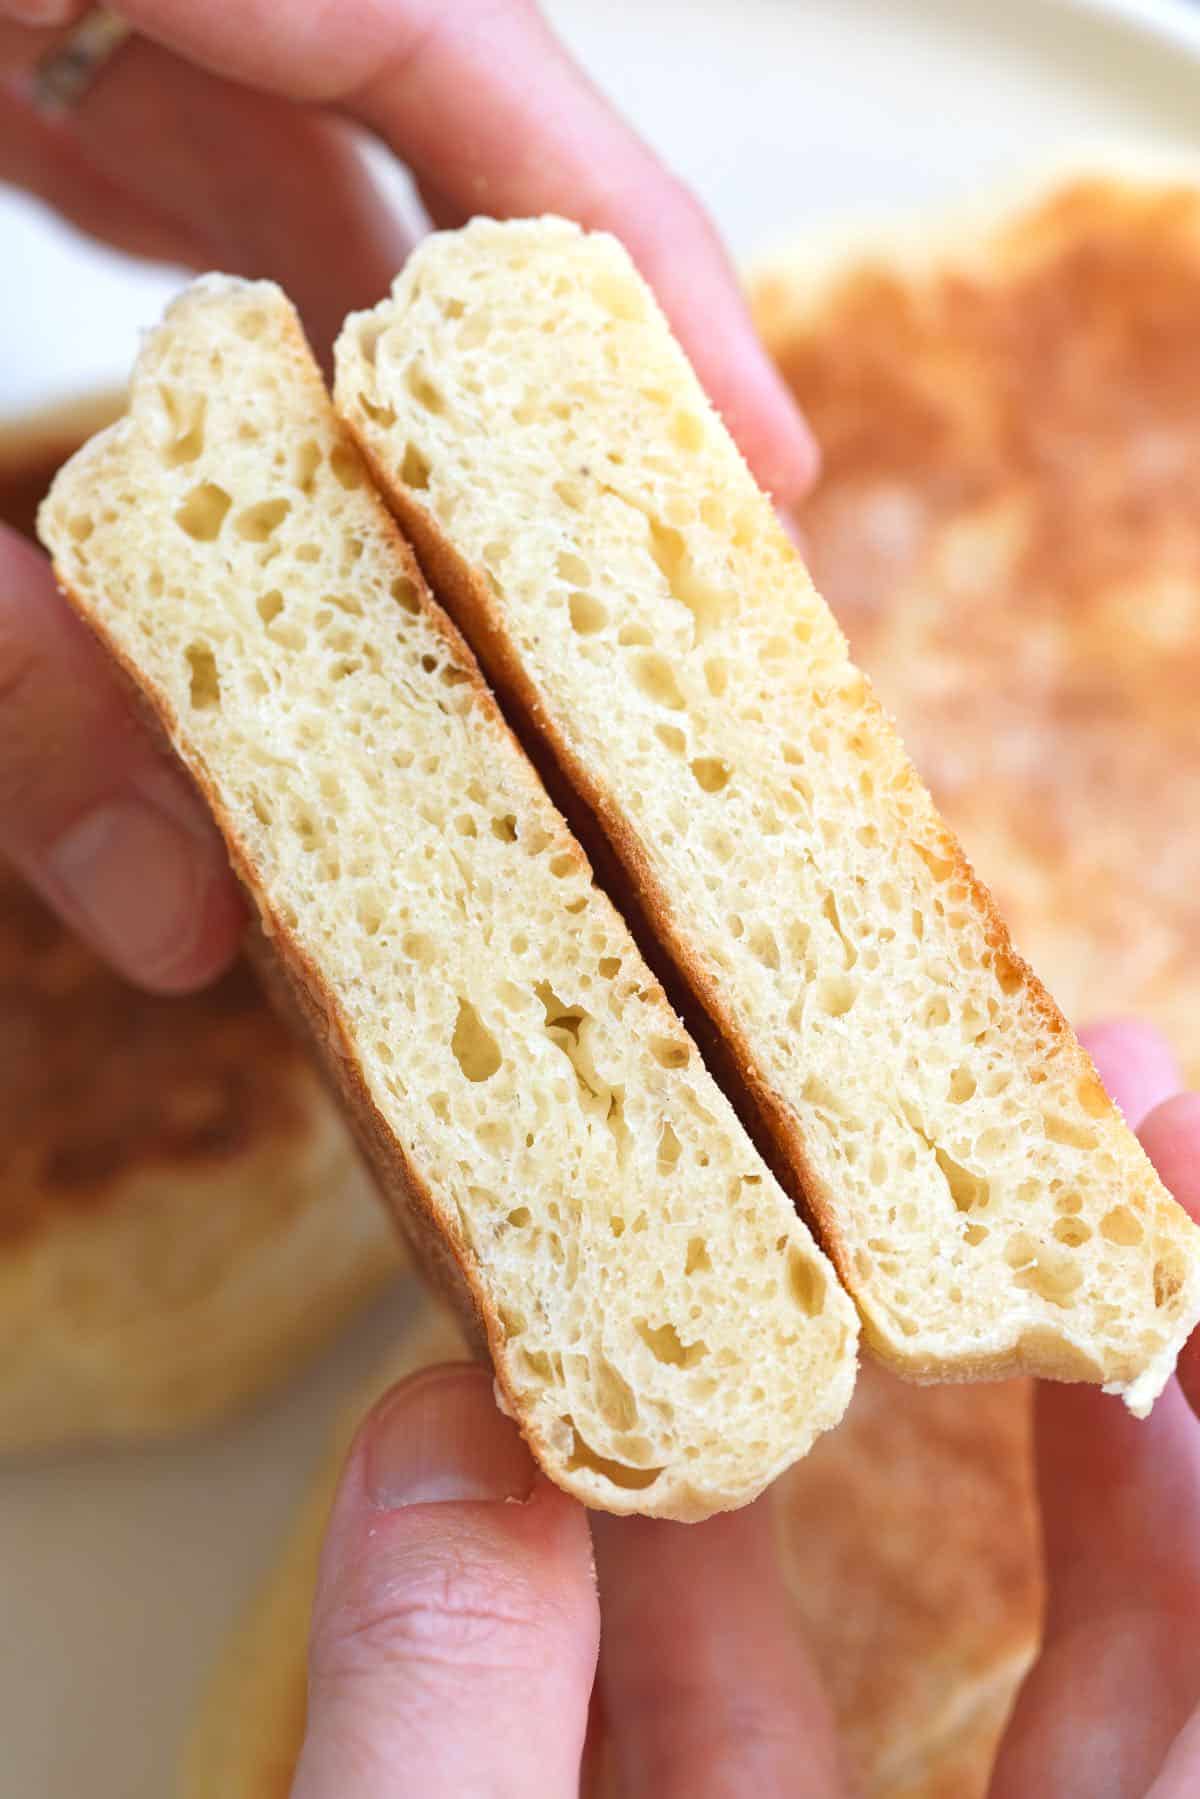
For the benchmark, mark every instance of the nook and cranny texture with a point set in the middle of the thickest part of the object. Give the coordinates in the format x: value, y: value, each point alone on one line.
x: 661, y: 1323
x: 592, y: 528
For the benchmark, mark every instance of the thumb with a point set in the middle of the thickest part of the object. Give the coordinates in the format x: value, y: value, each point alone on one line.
x: 456, y: 1625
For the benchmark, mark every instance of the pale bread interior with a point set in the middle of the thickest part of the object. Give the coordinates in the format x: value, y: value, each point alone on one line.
x: 662, y: 1324
x: 596, y: 533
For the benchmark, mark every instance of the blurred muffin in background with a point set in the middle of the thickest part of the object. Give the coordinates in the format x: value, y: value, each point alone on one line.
x: 182, y: 1214
x: 34, y: 446
x: 1006, y: 524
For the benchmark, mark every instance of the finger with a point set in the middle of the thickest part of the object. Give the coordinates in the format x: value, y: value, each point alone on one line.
x: 237, y: 180
x: 91, y: 812
x: 1139, y: 1069
x: 449, y: 89
x: 455, y: 1626
x: 1117, y: 1677
x: 1171, y: 1136
x: 707, y: 1689
x: 45, y: 14
x: 1119, y: 1500
x: 1135, y: 1062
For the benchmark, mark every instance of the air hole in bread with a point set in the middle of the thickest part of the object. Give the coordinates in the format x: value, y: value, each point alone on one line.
x: 288, y: 635
x: 697, y: 1259
x: 961, y: 1087
x: 940, y: 866
x: 665, y: 1345
x: 656, y: 679
x: 672, y: 738
x: 347, y: 467
x: 1045, y: 1269
x: 1072, y: 1231
x: 1061, y: 1130
x: 619, y: 1474
x: 835, y: 994
x: 1169, y: 1275
x: 184, y: 415
x: 806, y: 1283
x: 614, y: 1396
x: 423, y: 390
x: 256, y: 523
x: 382, y: 415
x: 1092, y: 1096
x: 969, y: 1191
x: 307, y: 462
x: 204, y: 688
x: 634, y: 637
x: 829, y: 908
x: 419, y: 948
x: 711, y: 772
x: 708, y: 604
x: 573, y: 494
x: 1122, y: 1227
x: 586, y: 613
x: 414, y: 468
x: 573, y: 569
x: 203, y: 512
x: 763, y: 944
x: 688, y: 432
x: 669, y: 1148
x: 1008, y: 974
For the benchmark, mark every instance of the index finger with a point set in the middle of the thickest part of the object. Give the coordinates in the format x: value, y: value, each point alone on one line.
x: 489, y: 111
x: 1171, y: 1138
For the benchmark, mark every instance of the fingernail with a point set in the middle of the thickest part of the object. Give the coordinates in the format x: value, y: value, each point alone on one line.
x: 439, y: 1437
x: 136, y: 878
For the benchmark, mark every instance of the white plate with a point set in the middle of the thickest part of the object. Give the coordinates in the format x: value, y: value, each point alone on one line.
x: 121, y: 1573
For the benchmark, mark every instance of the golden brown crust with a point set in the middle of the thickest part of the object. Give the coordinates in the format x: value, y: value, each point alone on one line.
x: 1006, y: 525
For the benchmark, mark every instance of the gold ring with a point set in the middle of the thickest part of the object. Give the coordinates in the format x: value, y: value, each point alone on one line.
x: 64, y: 76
